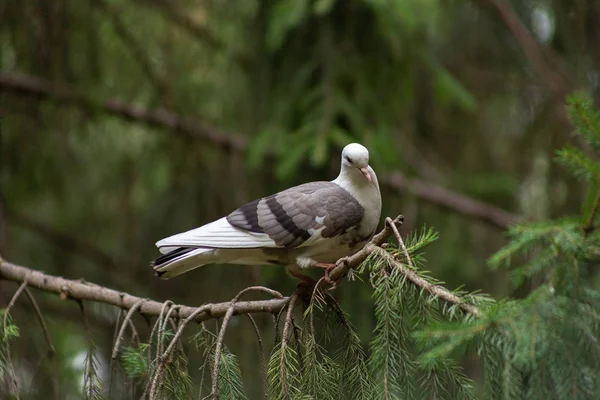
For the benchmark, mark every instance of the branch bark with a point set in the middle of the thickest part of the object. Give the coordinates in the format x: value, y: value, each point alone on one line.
x: 163, y: 118
x: 85, y: 291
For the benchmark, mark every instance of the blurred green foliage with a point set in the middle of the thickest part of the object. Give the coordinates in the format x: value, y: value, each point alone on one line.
x: 442, y: 91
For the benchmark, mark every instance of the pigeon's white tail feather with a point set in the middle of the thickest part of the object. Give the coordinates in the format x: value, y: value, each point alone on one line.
x: 167, y: 250
x: 219, y: 234
x: 188, y: 259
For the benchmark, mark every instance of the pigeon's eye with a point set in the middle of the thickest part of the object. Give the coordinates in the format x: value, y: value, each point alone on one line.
x: 348, y: 159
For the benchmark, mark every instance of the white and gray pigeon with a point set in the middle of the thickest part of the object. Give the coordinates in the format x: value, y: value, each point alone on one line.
x: 310, y: 225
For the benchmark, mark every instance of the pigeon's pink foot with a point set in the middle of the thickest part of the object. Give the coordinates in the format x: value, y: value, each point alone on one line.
x: 328, y: 267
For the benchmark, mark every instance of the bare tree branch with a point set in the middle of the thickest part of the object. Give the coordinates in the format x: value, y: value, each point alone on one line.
x: 189, y: 127
x: 159, y: 117
x: 80, y: 290
x: 452, y: 200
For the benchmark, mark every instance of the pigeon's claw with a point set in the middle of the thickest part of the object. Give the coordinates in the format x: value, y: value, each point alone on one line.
x: 328, y: 267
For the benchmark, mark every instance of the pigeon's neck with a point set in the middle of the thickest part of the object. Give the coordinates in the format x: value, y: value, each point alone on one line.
x: 365, y: 192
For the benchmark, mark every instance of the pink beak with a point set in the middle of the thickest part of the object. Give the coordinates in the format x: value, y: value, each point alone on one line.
x: 366, y: 173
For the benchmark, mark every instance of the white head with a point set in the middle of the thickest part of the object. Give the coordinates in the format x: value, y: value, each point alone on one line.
x: 355, y: 157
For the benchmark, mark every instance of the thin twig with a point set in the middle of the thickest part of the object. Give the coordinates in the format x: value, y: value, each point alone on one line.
x: 9, y: 366
x: 435, y: 290
x: 158, y: 326
x: 261, y: 353
x: 163, y: 357
x: 221, y: 337
x: 51, y: 349
x: 345, y: 264
x: 284, y: 341
x: 135, y: 337
x: 163, y: 329
x: 86, y: 322
x: 124, y: 325
x: 263, y: 289
x: 218, y: 349
x: 151, y: 387
x: 389, y: 221
x: 12, y: 302
x: 112, y: 361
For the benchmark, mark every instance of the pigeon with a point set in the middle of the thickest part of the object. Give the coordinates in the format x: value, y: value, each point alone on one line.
x: 310, y: 225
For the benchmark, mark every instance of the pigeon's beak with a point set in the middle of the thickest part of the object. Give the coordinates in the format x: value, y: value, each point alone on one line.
x: 365, y: 172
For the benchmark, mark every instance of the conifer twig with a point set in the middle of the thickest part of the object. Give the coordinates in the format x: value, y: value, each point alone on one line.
x: 224, y: 324
x: 218, y: 349
x: 261, y: 353
x: 158, y: 326
x: 589, y: 225
x: 435, y: 290
x: 389, y: 222
x: 51, y: 349
x: 12, y: 302
x: 284, y: 341
x: 163, y: 357
x: 11, y: 373
x: 124, y: 325
x: 345, y: 264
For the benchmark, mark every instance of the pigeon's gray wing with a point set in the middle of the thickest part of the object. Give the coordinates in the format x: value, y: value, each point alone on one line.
x: 291, y: 217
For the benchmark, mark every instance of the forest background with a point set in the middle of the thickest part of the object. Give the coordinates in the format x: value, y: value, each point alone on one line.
x: 122, y: 122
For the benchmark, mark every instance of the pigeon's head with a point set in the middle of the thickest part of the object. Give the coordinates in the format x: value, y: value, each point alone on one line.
x: 356, y: 156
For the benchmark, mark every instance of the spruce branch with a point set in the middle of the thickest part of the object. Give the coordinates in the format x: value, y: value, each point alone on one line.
x: 590, y: 223
x: 124, y: 325
x: 92, y: 384
x: 224, y: 324
x: 261, y: 354
x: 218, y: 348
x: 391, y: 224
x: 12, y: 302
x: 4, y: 338
x: 284, y: 344
x: 433, y: 289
